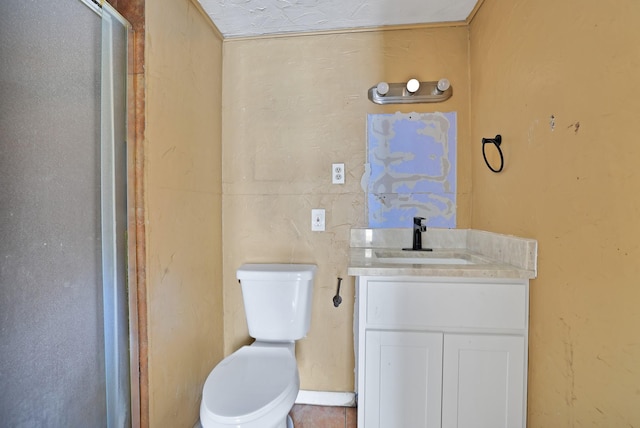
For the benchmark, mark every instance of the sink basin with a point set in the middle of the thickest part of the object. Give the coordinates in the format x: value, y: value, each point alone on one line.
x: 425, y: 260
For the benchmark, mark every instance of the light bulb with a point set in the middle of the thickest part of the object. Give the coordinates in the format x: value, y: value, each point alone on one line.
x: 382, y: 88
x: 413, y: 85
x: 443, y: 84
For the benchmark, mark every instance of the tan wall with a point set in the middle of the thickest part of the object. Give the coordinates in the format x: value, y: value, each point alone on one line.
x: 575, y: 188
x: 291, y: 107
x: 183, y: 208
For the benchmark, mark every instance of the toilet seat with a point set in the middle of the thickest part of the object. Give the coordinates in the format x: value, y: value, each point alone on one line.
x: 249, y: 384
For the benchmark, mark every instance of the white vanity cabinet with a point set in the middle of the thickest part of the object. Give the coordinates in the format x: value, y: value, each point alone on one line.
x: 441, y: 352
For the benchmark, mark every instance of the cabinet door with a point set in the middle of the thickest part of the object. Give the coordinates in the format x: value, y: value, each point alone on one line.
x: 403, y: 379
x: 483, y: 381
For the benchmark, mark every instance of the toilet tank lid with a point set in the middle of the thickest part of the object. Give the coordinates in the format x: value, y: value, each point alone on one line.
x: 273, y: 271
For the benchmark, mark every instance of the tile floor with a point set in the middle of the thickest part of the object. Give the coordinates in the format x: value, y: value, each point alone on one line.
x: 306, y: 416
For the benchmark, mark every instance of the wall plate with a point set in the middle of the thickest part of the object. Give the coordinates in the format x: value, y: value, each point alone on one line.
x: 317, y: 219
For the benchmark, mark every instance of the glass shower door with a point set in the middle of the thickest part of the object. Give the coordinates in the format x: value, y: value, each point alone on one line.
x: 55, y: 363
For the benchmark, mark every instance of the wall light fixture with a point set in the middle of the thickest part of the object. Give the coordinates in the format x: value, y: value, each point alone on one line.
x: 413, y: 91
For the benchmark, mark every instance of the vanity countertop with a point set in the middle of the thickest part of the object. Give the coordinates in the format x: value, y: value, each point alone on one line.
x: 456, y: 253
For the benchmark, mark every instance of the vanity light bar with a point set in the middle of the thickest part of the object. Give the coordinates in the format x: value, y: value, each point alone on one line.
x: 413, y: 91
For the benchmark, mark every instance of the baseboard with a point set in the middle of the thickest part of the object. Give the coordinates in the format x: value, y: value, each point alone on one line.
x: 326, y: 398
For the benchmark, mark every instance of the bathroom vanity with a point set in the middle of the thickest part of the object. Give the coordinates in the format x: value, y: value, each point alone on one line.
x: 441, y: 336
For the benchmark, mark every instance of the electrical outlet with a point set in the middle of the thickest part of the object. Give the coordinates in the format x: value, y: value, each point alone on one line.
x: 337, y: 173
x: 317, y: 220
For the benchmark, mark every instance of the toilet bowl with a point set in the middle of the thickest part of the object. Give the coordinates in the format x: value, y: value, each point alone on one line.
x: 256, y: 386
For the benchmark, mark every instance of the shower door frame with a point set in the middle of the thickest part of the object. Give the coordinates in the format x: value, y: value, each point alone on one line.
x: 119, y: 372
x: 134, y: 12
x: 133, y: 369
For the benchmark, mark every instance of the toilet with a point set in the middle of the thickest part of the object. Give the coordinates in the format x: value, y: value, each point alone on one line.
x: 256, y: 386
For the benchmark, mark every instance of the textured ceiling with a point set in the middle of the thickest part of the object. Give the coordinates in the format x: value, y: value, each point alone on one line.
x: 241, y: 18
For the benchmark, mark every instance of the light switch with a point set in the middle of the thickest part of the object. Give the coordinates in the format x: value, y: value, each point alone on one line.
x: 317, y: 219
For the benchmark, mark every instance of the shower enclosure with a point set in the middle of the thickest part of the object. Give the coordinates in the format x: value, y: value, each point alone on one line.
x: 64, y: 332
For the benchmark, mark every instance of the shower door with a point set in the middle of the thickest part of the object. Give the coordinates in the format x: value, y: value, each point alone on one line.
x: 63, y: 318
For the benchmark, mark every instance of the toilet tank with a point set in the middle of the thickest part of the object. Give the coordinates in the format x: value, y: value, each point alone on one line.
x: 277, y: 300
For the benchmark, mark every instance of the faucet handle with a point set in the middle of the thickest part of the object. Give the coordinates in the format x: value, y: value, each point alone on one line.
x: 418, y: 228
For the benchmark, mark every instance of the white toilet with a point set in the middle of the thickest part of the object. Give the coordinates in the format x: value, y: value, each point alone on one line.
x: 256, y: 386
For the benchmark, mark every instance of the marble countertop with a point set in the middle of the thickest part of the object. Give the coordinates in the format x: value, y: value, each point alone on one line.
x: 481, y: 254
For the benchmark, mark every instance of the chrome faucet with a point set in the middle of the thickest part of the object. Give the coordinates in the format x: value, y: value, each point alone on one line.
x: 418, y: 228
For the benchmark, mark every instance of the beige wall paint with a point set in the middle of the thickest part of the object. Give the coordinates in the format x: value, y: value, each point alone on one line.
x: 291, y: 107
x: 575, y: 188
x: 183, y: 208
